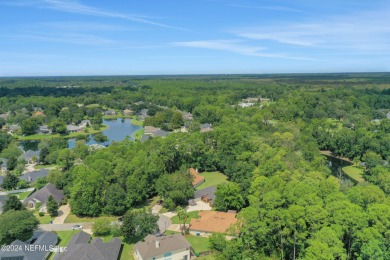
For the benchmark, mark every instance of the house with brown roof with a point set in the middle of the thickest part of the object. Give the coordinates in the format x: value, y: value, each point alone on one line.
x: 197, y: 178
x: 174, y: 247
x: 212, y: 221
x: 150, y: 130
x: 127, y: 112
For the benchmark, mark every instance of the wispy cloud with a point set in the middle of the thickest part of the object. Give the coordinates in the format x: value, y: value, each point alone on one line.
x: 74, y: 6
x: 81, y: 39
x: 359, y: 32
x: 234, y: 46
x: 270, y: 8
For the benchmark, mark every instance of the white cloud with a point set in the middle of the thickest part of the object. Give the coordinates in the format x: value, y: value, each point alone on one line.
x: 235, y: 47
x: 359, y: 32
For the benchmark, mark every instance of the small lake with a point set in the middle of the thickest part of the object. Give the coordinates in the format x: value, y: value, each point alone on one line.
x: 118, y: 129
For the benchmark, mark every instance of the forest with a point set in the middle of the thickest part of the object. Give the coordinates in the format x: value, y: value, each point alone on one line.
x: 290, y: 203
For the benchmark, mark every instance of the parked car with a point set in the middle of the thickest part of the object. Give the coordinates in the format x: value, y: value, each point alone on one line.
x: 76, y: 227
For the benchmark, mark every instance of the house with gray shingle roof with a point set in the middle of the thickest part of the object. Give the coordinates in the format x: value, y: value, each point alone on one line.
x: 42, y: 196
x: 1, y: 180
x: 163, y: 247
x: 388, y: 115
x: 40, y: 245
x: 79, y: 248
x: 206, y: 128
x: 161, y: 133
x: 34, y: 175
x: 30, y: 155
x: 206, y: 194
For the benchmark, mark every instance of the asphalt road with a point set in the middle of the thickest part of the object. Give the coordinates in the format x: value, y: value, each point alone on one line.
x: 62, y: 227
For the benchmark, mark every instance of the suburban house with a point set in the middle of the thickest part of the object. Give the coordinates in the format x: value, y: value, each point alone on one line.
x: 31, y: 156
x: 127, y: 112
x: 73, y: 129
x: 34, y: 175
x: 143, y: 114
x: 1, y: 180
x: 388, y: 115
x: 207, y: 194
x: 246, y: 104
x: 5, y: 116
x: 85, y: 123
x: 42, y: 196
x: 3, y: 165
x: 79, y: 247
x: 36, y: 248
x: 110, y: 113
x: 212, y: 221
x: 144, y: 138
x: 38, y: 113
x: 160, y: 133
x: 197, y: 178
x: 206, y: 128
x: 187, y: 116
x: 150, y: 130
x: 3, y: 199
x: 174, y: 247
x: 13, y: 129
x: 44, y: 129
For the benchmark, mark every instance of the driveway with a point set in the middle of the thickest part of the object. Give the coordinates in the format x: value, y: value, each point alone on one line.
x: 156, y: 209
x: 63, y: 212
x: 63, y: 227
x: 163, y: 223
x: 200, y: 205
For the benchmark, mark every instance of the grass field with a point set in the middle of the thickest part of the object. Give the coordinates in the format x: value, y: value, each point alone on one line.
x: 199, y: 244
x: 23, y: 195
x: 192, y: 214
x: 44, y: 219
x: 354, y: 172
x: 212, y: 178
x: 70, y: 135
x: 136, y: 122
x: 72, y: 218
x: 138, y: 134
x: 207, y: 257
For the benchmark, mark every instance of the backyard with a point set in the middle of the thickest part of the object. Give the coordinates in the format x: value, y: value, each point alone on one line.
x: 191, y: 215
x: 211, y: 179
x: 355, y: 173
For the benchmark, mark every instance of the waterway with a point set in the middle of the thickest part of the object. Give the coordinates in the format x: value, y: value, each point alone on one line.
x: 118, y: 129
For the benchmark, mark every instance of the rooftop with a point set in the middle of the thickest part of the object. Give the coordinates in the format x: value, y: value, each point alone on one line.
x: 149, y: 248
x: 34, y: 175
x: 43, y: 194
x: 209, y: 191
x: 198, y: 179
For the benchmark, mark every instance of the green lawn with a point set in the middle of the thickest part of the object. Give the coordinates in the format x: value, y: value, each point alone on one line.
x: 354, y: 172
x: 134, y: 121
x: 70, y: 135
x: 44, y: 219
x: 138, y: 134
x: 64, y: 238
x: 207, y: 257
x: 92, y: 106
x: 127, y: 249
x: 41, y: 166
x: 199, y: 244
x: 192, y: 214
x: 23, y: 195
x: 212, y: 178
x: 75, y: 219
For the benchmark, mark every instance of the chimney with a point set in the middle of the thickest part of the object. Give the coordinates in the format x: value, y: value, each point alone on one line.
x: 157, y: 243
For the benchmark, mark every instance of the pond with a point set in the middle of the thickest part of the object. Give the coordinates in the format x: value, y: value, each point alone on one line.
x: 336, y: 165
x: 118, y: 129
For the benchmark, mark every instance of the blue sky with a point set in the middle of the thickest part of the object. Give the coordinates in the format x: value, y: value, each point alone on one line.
x: 101, y: 37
